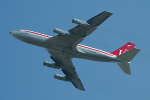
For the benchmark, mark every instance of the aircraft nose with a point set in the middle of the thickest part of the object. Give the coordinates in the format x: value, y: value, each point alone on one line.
x: 12, y: 33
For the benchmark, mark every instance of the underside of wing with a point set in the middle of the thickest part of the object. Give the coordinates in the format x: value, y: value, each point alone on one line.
x: 67, y: 41
x: 78, y: 33
x: 77, y: 83
x: 72, y: 74
x: 67, y: 68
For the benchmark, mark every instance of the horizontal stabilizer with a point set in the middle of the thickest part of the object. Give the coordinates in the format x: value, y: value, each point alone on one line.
x: 129, y: 55
x: 125, y: 67
x: 124, y: 49
x: 126, y: 58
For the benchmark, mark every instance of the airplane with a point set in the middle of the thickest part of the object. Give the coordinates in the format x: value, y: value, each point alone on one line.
x: 65, y: 46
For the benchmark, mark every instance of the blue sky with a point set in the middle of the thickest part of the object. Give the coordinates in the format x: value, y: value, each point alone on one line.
x: 22, y: 75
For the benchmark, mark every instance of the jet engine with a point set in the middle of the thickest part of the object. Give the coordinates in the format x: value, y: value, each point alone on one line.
x: 49, y: 64
x: 60, y: 32
x: 80, y: 22
x: 61, y: 77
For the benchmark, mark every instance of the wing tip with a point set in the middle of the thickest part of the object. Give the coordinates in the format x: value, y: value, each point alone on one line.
x: 83, y: 89
x: 77, y: 83
x: 107, y: 12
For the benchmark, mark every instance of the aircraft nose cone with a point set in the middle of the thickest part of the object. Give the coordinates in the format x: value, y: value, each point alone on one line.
x: 12, y: 33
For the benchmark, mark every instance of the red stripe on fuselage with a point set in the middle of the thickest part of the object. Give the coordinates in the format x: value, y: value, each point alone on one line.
x: 77, y: 45
x: 37, y: 33
x: 95, y: 50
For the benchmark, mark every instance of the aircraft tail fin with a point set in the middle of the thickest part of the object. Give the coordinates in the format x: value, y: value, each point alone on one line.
x: 126, y: 58
x: 124, y: 49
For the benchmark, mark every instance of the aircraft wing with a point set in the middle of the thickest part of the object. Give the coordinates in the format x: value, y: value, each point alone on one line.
x: 69, y: 42
x: 67, y: 68
x: 78, y: 33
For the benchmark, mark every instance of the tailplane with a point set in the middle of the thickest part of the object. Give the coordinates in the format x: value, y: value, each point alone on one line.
x: 124, y: 49
x: 125, y: 67
x: 129, y: 55
x: 126, y: 58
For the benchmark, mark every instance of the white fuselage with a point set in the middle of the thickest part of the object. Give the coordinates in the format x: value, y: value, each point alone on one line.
x: 81, y: 51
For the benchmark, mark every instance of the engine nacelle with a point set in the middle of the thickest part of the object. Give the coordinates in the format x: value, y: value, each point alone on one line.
x: 61, y: 77
x: 60, y: 32
x: 80, y: 22
x: 49, y: 64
